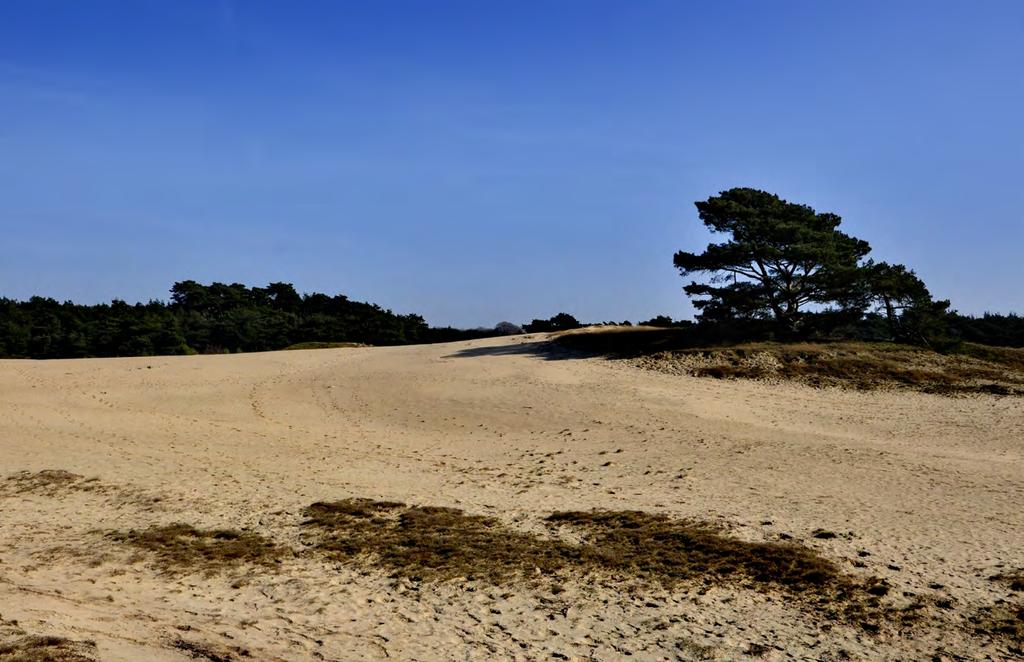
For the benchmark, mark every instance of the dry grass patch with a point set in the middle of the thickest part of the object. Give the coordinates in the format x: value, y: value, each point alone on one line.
x: 1007, y: 357
x: 968, y: 368
x: 1013, y: 579
x: 431, y: 543
x: 656, y: 548
x: 48, y: 482
x: 437, y: 544
x: 202, y: 651
x: 182, y: 548
x: 1003, y: 621
x: 16, y: 645
x: 863, y: 366
x: 58, y: 483
x: 668, y: 551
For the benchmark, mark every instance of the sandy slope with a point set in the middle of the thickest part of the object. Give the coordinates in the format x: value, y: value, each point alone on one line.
x: 930, y: 485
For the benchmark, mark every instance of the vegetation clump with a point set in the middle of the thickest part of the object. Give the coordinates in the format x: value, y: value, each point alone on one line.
x: 656, y: 547
x: 1013, y: 579
x: 1004, y: 621
x: 47, y: 482
x: 183, y: 548
x: 863, y: 366
x: 16, y: 645
x: 438, y: 544
x: 559, y: 322
x: 206, y: 652
x: 968, y: 368
x: 431, y: 542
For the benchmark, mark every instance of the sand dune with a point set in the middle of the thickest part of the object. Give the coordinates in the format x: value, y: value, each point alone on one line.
x: 920, y: 490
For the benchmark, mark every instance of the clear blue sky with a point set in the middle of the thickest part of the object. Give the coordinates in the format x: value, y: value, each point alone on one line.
x: 480, y: 161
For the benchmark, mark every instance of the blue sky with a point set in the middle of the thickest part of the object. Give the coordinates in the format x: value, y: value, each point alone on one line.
x: 480, y: 161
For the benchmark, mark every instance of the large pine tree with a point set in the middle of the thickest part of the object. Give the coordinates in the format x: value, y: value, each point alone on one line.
x: 783, y: 262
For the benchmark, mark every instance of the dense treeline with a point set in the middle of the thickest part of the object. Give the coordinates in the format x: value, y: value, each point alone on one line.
x: 221, y: 318
x: 990, y: 329
x: 199, y: 318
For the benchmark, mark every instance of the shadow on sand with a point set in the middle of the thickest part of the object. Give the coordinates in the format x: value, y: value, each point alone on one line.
x: 605, y: 341
x: 543, y: 349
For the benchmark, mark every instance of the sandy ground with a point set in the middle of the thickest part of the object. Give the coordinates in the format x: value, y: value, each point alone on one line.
x: 930, y: 487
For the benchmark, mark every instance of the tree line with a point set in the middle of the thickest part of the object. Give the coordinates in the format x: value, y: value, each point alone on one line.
x: 219, y: 318
x: 214, y: 318
x: 999, y: 330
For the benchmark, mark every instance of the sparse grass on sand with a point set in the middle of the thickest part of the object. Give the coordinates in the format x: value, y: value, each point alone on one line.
x: 182, y: 548
x: 861, y: 365
x: 655, y: 547
x: 46, y: 482
x: 16, y: 645
x: 431, y: 543
x: 203, y: 651
x: 1004, y: 621
x: 1013, y: 579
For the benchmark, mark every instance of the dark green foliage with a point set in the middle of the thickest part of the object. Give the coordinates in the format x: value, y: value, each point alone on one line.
x: 912, y: 316
x: 213, y: 318
x: 784, y: 263
x: 560, y: 322
x: 787, y: 272
x: 664, y: 321
x: 990, y: 329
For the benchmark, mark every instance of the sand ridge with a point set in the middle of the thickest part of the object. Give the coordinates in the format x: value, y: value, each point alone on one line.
x: 921, y: 490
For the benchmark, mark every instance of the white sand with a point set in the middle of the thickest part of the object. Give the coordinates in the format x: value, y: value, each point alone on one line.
x: 929, y: 484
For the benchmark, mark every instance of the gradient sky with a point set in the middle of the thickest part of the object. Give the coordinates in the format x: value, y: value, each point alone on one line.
x: 480, y: 161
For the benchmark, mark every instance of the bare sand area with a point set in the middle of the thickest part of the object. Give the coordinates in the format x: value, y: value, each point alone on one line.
x: 98, y: 458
